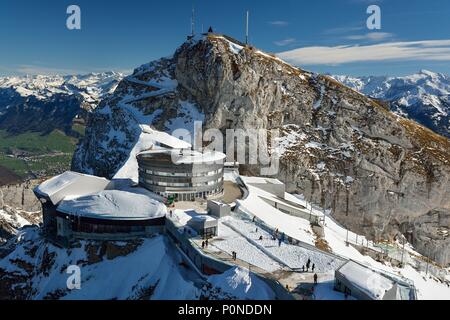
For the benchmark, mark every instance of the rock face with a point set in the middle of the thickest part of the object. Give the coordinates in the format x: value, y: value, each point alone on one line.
x: 379, y: 173
x: 18, y: 207
x: 20, y: 196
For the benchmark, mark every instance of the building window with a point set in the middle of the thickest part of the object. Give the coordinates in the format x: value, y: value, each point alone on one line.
x: 182, y: 174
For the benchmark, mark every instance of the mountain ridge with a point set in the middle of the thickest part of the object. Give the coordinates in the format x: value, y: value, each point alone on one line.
x: 44, y: 103
x: 423, y: 97
x: 337, y: 146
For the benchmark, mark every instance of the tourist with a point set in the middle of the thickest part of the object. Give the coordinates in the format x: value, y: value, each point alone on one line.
x: 315, y: 278
x: 203, y: 244
x: 260, y: 238
x: 279, y: 242
x: 206, y: 243
x: 313, y: 267
x: 303, y: 268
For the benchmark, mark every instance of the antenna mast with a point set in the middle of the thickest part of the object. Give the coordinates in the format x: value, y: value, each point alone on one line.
x: 246, y: 29
x: 193, y: 22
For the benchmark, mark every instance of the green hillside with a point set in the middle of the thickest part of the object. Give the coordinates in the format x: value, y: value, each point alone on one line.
x: 32, y: 154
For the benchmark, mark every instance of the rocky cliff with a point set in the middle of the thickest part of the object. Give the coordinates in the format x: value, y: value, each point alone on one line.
x: 18, y: 207
x: 377, y: 172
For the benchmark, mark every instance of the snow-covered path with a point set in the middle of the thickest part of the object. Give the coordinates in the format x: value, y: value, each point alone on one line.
x: 294, y: 257
x: 229, y: 241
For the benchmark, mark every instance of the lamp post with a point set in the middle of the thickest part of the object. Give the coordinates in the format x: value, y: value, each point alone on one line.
x: 403, y: 251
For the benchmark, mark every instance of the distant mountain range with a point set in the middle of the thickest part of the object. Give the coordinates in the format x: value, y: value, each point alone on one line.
x: 423, y: 97
x: 44, y: 103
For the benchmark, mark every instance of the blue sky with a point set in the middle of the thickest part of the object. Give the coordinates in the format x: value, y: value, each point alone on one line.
x: 328, y: 36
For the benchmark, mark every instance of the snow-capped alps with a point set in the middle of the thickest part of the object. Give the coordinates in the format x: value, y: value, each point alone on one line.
x: 92, y: 87
x: 423, y: 97
x: 44, y: 103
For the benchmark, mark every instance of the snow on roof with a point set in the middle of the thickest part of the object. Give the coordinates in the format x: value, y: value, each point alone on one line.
x: 259, y: 180
x: 70, y: 184
x: 243, y: 284
x: 231, y: 164
x: 187, y: 156
x: 220, y: 203
x: 185, y: 217
x: 129, y: 204
x: 165, y: 138
x: 373, y: 283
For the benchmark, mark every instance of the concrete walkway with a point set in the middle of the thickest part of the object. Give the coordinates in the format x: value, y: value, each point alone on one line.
x: 224, y: 256
x: 300, y: 284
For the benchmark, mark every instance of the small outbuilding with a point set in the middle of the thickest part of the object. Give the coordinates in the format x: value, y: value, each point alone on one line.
x: 364, y: 283
x: 205, y: 225
x: 218, y: 209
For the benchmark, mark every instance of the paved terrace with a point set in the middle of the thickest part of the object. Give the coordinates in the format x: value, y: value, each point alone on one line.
x: 298, y: 282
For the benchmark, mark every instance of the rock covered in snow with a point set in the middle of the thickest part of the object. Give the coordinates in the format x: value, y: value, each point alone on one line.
x: 31, y: 268
x: 242, y: 284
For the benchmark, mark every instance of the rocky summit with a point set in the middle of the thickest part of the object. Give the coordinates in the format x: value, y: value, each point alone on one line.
x: 377, y: 172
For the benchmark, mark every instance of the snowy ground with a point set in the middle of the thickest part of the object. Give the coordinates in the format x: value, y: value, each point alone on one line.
x: 335, y: 235
x: 230, y: 241
x: 242, y: 284
x: 15, y: 220
x: 145, y: 269
x: 292, y: 256
x: 294, y: 227
x: 152, y: 264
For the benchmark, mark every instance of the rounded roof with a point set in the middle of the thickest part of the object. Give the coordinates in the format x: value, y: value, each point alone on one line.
x: 130, y: 204
x: 185, y: 156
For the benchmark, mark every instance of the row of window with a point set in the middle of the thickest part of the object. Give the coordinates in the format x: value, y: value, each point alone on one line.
x: 192, y: 196
x: 183, y: 185
x: 183, y: 174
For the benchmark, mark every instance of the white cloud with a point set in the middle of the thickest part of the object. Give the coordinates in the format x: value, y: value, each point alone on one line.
x: 42, y: 70
x: 371, y: 36
x: 285, y: 42
x: 426, y: 50
x: 279, y: 23
x: 342, y: 30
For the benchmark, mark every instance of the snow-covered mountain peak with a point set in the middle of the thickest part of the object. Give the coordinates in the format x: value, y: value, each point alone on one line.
x: 92, y: 86
x: 423, y: 96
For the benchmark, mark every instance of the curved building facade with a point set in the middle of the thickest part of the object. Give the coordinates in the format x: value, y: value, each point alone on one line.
x: 187, y: 175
